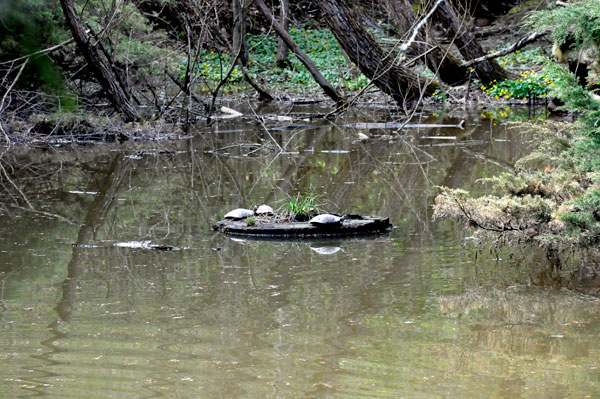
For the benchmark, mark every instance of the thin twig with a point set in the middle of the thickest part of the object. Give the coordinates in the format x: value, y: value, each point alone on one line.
x: 41, y: 52
x: 44, y: 213
x: 12, y: 85
x: 266, y: 130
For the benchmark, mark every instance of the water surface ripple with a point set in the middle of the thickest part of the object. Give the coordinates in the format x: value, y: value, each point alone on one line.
x: 409, y: 314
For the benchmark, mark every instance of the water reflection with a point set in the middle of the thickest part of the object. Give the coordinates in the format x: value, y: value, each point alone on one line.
x: 406, y: 314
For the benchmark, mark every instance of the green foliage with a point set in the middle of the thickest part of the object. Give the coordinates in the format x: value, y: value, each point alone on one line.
x: 531, y: 84
x: 514, y: 217
x: 132, y: 41
x: 583, y: 216
x: 439, y: 96
x: 578, y: 20
x: 251, y: 221
x: 525, y: 59
x: 320, y: 45
x: 32, y: 25
x: 557, y: 186
x: 29, y: 26
x: 300, y: 205
x: 585, y: 148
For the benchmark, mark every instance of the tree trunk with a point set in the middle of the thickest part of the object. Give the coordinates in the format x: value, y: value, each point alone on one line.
x: 106, y: 76
x: 282, y: 47
x: 487, y: 71
x: 302, y: 56
x: 239, y: 29
x: 402, y: 84
x: 102, y: 70
x: 437, y: 59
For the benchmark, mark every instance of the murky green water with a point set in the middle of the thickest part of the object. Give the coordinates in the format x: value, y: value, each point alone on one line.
x: 410, y: 314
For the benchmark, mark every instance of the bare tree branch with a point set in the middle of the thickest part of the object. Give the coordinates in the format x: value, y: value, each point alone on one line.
x: 417, y: 27
x: 12, y: 85
x: 513, y: 47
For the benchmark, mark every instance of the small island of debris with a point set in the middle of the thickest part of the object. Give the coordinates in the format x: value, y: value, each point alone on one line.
x: 271, y: 225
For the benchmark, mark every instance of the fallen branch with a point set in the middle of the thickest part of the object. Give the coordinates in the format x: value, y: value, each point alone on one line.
x: 101, y: 67
x: 301, y: 55
x: 229, y: 113
x: 396, y: 125
x: 513, y: 47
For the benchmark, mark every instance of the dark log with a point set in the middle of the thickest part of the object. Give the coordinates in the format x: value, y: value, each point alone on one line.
x: 349, y: 227
x: 101, y: 68
x: 301, y: 55
x: 437, y: 58
x: 487, y: 71
x: 402, y: 84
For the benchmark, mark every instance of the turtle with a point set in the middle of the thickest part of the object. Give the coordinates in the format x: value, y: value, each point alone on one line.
x: 326, y: 220
x: 264, y: 210
x: 239, y: 213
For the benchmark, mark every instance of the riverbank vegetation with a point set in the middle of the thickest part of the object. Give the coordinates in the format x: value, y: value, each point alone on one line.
x: 145, y: 61
x: 108, y: 70
x: 553, y: 196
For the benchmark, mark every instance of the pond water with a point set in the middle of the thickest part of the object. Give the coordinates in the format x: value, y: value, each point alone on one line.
x: 409, y: 314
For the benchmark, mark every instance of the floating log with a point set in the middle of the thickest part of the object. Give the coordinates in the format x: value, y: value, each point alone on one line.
x: 130, y: 245
x: 398, y: 125
x: 350, y: 226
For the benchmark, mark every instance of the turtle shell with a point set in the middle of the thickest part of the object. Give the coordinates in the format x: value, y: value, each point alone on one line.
x: 239, y: 213
x: 326, y: 219
x: 264, y: 210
